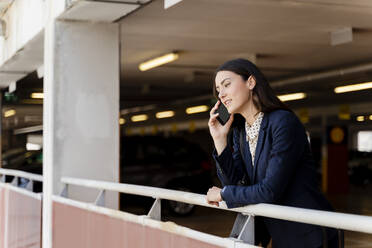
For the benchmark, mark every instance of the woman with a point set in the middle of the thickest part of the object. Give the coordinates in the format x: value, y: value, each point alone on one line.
x: 270, y: 153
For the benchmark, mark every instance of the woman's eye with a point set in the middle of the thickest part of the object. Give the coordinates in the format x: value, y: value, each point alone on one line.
x: 227, y: 84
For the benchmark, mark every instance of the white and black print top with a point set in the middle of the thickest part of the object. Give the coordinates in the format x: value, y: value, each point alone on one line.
x: 252, y: 134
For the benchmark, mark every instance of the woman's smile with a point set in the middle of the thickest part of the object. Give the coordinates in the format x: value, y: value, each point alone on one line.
x: 227, y: 103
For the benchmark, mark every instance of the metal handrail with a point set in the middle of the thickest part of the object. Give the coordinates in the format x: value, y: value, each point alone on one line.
x: 351, y: 222
x: 156, y: 224
x: 17, y: 173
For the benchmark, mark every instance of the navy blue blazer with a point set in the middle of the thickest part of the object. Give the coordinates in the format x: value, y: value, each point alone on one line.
x: 283, y: 174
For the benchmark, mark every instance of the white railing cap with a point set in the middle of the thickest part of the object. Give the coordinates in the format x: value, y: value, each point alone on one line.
x: 18, y: 173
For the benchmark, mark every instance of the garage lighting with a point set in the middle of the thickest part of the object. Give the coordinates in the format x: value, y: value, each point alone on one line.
x: 137, y: 118
x: 164, y: 114
x: 370, y: 117
x: 291, y: 97
x: 36, y: 95
x: 167, y: 58
x: 9, y: 113
x: 353, y: 87
x: 360, y: 118
x: 33, y: 147
x: 197, y: 109
x: 121, y: 121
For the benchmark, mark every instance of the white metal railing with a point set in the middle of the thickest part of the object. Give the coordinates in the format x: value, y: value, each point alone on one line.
x: 351, y: 222
x: 29, y: 178
x: 155, y: 211
x: 148, y: 221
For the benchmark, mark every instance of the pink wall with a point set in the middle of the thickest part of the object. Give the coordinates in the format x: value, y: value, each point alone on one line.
x: 20, y: 220
x: 2, y: 216
x: 75, y: 227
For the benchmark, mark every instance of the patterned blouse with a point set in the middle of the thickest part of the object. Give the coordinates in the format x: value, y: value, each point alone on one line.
x: 252, y: 134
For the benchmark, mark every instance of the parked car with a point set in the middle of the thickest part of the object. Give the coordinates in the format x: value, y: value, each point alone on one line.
x: 171, y: 163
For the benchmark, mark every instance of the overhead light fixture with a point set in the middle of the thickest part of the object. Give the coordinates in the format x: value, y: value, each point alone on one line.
x: 37, y: 95
x: 370, y: 117
x: 167, y: 58
x: 197, y: 109
x: 137, y: 118
x: 360, y: 118
x: 33, y: 147
x: 9, y: 113
x: 164, y: 114
x: 121, y: 121
x: 353, y: 87
x: 12, y: 87
x: 291, y: 97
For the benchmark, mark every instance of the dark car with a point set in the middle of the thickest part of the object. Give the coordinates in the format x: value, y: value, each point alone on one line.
x: 171, y: 163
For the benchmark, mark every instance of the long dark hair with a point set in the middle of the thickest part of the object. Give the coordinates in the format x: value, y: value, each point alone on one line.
x: 264, y: 97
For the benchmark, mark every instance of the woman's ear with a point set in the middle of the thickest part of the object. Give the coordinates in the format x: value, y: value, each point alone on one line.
x: 251, y: 82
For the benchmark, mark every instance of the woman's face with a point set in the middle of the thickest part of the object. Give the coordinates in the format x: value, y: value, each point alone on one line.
x: 233, y: 91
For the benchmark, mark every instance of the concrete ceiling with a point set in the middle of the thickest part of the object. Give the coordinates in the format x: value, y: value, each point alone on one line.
x: 287, y: 38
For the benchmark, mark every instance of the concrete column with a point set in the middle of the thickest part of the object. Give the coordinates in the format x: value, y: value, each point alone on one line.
x: 81, y: 110
x: 86, y: 105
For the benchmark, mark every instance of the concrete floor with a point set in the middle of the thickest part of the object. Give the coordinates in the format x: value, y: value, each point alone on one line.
x: 358, y: 201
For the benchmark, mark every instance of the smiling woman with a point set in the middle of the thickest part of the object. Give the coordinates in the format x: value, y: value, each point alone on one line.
x: 270, y: 159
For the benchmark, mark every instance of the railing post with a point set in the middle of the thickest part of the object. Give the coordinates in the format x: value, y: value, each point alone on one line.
x: 30, y: 185
x: 247, y: 232
x: 15, y: 181
x: 64, y: 192
x: 155, y: 211
x: 243, y: 229
x: 100, y: 200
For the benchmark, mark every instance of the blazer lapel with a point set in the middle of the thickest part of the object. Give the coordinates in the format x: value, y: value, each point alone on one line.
x: 261, y: 138
x: 247, y: 156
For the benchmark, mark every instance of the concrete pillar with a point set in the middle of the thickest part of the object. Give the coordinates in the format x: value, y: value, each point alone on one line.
x: 81, y: 109
x: 86, y: 105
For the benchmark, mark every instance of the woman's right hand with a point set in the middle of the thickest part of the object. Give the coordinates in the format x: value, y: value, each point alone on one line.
x: 217, y: 130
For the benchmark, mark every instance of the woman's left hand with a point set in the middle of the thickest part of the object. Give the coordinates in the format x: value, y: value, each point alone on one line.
x: 214, y: 196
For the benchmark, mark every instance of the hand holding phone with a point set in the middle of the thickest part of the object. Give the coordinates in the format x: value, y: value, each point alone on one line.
x: 219, y: 125
x: 223, y: 114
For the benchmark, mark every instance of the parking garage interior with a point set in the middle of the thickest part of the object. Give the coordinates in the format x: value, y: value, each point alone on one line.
x: 306, y: 47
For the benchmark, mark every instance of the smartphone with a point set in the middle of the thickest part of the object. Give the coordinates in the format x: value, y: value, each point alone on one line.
x: 224, y: 115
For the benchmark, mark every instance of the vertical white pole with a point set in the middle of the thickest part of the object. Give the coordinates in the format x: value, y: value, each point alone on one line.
x: 48, y: 123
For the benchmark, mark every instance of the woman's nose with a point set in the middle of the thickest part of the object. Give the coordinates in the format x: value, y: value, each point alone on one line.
x: 221, y: 94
